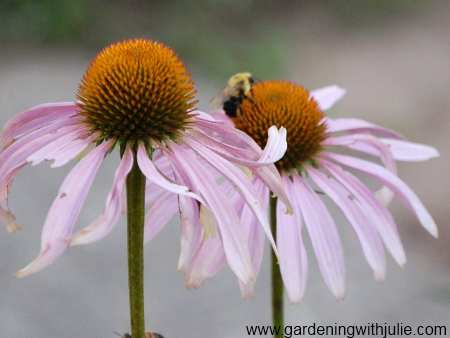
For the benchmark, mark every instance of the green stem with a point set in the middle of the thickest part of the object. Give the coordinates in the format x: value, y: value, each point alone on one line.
x: 277, y: 282
x: 136, y: 214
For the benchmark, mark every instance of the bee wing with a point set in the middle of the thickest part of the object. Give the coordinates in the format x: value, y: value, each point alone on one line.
x: 218, y: 99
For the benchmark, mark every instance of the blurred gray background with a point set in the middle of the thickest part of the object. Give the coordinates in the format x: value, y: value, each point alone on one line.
x: 392, y: 56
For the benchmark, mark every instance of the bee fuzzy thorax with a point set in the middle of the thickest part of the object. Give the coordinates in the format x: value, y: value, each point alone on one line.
x: 137, y: 90
x: 237, y: 90
x: 288, y: 105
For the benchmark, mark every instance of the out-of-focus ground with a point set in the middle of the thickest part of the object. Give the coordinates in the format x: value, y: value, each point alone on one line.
x: 396, y: 68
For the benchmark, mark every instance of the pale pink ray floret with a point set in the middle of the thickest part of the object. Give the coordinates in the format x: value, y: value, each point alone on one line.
x: 180, y: 175
x: 366, y: 210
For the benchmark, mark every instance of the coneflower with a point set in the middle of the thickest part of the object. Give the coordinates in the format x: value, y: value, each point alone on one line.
x: 314, y: 168
x: 138, y: 96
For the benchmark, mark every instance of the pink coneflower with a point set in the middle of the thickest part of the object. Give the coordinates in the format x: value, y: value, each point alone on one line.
x: 137, y: 95
x: 315, y: 169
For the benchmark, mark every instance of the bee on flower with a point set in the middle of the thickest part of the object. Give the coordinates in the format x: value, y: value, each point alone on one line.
x: 137, y: 95
x: 314, y: 167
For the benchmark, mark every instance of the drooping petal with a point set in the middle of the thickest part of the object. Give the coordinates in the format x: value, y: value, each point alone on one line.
x: 234, y: 244
x: 401, y: 150
x: 370, y: 145
x: 293, y: 258
x: 410, y: 151
x: 358, y: 126
x: 351, y: 208
x: 394, y: 183
x: 68, y: 135
x: 326, y: 97
x: 255, y: 234
x: 208, y: 261
x: 191, y: 229
x: 275, y: 148
x: 35, y: 118
x: 324, y: 236
x: 16, y: 155
x: 377, y: 213
x: 235, y: 138
x: 154, y: 175
x: 104, y: 223
x: 65, y: 210
x: 238, y: 178
x: 72, y: 151
x: 159, y: 214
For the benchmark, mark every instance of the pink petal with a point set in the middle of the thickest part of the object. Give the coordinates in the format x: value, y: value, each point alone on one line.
x: 351, y: 208
x: 271, y: 177
x: 235, y: 246
x: 67, y: 137
x: 234, y: 138
x: 71, y: 151
x: 35, y: 118
x: 155, y: 176
x: 238, y: 178
x: 394, y: 183
x: 324, y: 236
x: 65, y: 210
x: 293, y: 258
x: 233, y: 153
x: 255, y: 235
x: 409, y: 151
x: 376, y: 212
x: 191, y: 229
x: 222, y: 117
x: 351, y: 125
x: 326, y: 97
x: 208, y: 261
x: 104, y: 223
x: 15, y: 156
x: 159, y: 214
x: 226, y: 134
x: 276, y: 145
x: 370, y: 145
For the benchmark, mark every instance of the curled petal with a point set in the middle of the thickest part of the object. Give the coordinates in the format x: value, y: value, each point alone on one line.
x: 276, y: 145
x: 64, y: 212
x: 326, y: 97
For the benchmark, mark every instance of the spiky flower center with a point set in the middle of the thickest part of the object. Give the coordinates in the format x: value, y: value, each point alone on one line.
x: 137, y: 90
x: 288, y: 105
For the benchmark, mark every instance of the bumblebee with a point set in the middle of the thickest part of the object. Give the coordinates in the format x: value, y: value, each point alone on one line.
x: 238, y: 88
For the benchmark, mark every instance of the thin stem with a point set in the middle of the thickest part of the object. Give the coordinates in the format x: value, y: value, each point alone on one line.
x: 136, y: 214
x: 277, y: 282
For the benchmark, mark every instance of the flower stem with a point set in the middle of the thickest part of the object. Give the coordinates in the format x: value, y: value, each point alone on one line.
x: 277, y: 282
x: 136, y: 214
